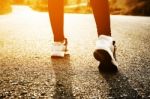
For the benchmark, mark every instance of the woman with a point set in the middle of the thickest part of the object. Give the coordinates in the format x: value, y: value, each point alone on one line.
x: 105, y: 46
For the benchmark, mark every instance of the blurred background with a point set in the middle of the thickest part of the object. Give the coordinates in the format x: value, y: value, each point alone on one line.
x: 125, y: 7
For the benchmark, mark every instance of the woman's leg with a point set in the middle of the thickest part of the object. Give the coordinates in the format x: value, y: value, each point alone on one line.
x: 102, y: 16
x: 56, y: 13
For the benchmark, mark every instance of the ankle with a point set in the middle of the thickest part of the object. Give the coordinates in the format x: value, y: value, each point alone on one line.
x: 106, y: 34
x: 59, y: 40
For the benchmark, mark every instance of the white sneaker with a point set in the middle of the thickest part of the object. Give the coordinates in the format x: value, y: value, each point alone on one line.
x: 105, y: 53
x: 59, y: 49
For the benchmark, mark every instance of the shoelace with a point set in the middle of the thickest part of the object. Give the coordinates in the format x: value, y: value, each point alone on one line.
x: 115, y: 48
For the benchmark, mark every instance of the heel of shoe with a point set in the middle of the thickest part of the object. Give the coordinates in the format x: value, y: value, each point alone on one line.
x: 105, y: 59
x: 102, y: 56
x: 57, y: 54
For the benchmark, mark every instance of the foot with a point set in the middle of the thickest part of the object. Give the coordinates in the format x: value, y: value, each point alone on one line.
x: 105, y: 53
x: 59, y: 49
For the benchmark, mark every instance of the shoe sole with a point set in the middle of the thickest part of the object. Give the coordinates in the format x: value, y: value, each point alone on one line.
x: 61, y: 56
x: 105, y: 59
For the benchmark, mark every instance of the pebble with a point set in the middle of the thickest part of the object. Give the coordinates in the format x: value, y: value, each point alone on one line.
x: 43, y: 97
x: 23, y: 93
x: 124, y: 95
x: 14, y: 83
x: 111, y: 97
x: 2, y: 96
x: 94, y: 97
x: 43, y: 94
x: 1, y: 82
x: 33, y: 97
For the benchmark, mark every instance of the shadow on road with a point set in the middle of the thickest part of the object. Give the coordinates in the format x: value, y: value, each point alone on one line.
x: 63, y: 76
x: 119, y: 87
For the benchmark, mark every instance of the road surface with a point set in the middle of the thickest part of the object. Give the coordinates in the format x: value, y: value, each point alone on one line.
x: 28, y: 72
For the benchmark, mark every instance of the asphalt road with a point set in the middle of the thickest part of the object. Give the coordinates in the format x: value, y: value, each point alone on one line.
x: 28, y: 72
